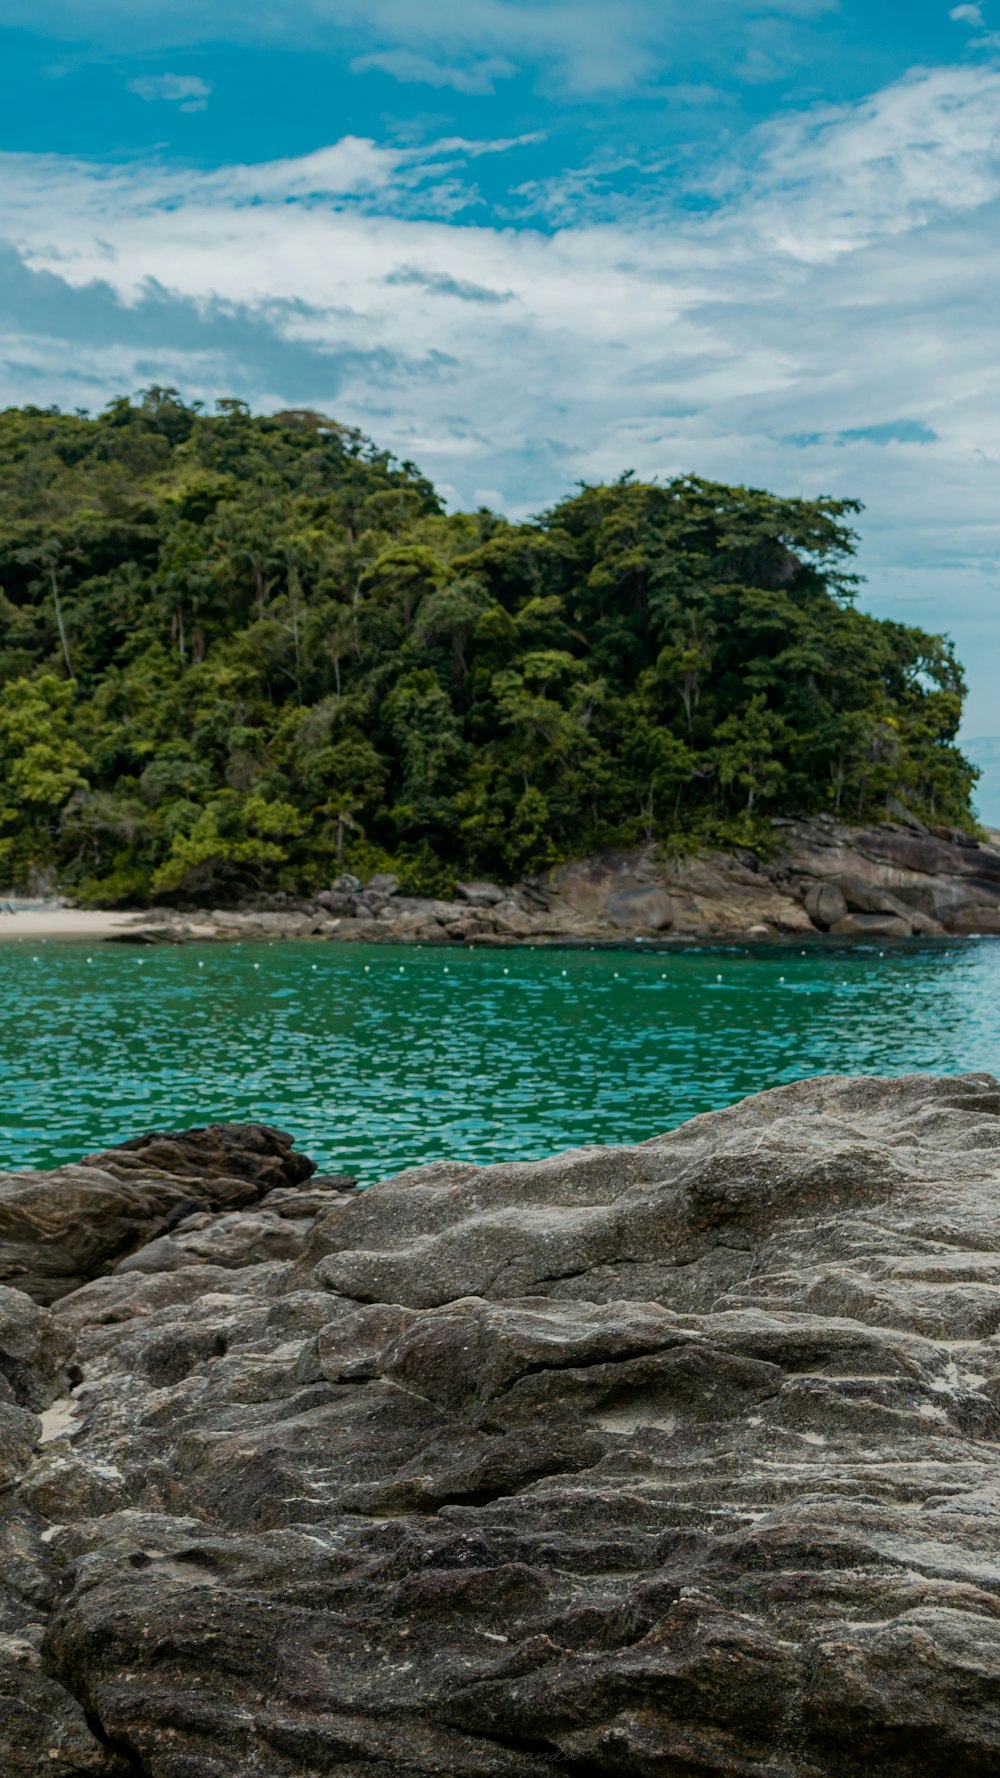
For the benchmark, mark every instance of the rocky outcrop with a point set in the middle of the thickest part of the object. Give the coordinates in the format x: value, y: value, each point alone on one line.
x: 931, y: 881
x: 822, y: 877
x: 677, y: 1460
x: 59, y: 1230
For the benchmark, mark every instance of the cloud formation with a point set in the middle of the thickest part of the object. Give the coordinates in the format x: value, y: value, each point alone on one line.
x: 584, y: 45
x: 821, y: 317
x: 442, y: 284
x: 188, y: 91
x: 411, y: 68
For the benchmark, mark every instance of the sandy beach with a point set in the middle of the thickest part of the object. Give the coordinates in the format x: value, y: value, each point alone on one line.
x: 43, y: 923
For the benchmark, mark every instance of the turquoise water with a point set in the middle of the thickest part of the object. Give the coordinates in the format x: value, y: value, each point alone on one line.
x: 378, y: 1058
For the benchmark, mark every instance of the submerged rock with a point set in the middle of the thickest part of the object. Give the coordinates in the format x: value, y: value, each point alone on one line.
x: 677, y: 1459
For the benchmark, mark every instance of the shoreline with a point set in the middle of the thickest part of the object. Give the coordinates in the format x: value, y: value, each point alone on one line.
x: 100, y: 926
x: 823, y: 880
x: 65, y: 923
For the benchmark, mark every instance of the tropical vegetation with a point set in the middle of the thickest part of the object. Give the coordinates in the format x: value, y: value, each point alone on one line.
x: 243, y: 653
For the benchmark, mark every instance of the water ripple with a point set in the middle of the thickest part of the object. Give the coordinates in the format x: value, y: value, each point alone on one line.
x: 381, y: 1058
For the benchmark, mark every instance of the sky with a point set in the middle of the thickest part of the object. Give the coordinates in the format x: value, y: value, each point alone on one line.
x: 528, y: 243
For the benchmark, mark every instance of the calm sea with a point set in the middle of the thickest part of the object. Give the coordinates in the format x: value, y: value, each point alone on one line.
x: 378, y: 1058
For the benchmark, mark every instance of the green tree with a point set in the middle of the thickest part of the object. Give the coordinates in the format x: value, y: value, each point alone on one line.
x: 255, y: 613
x: 746, y: 751
x: 40, y: 767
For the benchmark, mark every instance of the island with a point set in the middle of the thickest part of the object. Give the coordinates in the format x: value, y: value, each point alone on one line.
x: 248, y: 662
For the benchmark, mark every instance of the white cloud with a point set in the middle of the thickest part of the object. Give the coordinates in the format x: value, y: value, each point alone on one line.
x: 828, y: 322
x: 967, y: 15
x: 185, y: 90
x: 585, y: 45
x: 828, y: 180
x: 408, y: 67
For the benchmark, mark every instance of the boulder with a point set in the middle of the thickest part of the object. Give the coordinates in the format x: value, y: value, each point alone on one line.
x: 645, y: 909
x: 825, y: 903
x: 873, y: 926
x: 481, y: 895
x: 339, y: 902
x: 870, y: 898
x: 976, y: 921
x: 676, y: 1459
x: 939, y: 875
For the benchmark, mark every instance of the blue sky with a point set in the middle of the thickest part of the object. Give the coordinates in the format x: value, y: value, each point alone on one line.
x: 528, y: 244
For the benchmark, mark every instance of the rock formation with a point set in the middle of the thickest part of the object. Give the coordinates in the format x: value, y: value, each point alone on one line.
x: 675, y: 1460
x: 59, y: 1230
x: 896, y: 881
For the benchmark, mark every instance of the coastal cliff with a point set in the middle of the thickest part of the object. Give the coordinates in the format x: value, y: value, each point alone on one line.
x: 675, y: 1459
x: 885, y: 882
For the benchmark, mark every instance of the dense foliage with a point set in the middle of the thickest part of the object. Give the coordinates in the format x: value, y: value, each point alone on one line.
x: 241, y: 652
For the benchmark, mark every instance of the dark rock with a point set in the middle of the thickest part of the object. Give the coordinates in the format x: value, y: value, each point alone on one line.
x: 674, y: 1460
x: 339, y: 902
x: 534, y: 892
x: 870, y: 898
x: 981, y: 921
x: 930, y: 855
x: 370, y: 903
x: 650, y: 910
x: 146, y: 935
x: 58, y: 1230
x: 954, y: 836
x: 873, y: 926
x: 34, y: 1352
x: 825, y: 903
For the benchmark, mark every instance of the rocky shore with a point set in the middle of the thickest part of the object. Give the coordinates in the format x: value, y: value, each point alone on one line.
x: 896, y: 881
x: 675, y: 1460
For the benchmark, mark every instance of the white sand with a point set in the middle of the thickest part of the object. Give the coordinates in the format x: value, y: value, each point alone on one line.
x: 36, y: 923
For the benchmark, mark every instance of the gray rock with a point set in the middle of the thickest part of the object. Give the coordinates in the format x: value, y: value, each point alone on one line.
x: 930, y: 855
x: 825, y: 903
x: 870, y: 898
x: 480, y: 895
x: 873, y: 926
x: 339, y: 902
x: 648, y: 910
x: 58, y: 1230
x: 675, y: 1460
x: 937, y: 880
x: 953, y: 881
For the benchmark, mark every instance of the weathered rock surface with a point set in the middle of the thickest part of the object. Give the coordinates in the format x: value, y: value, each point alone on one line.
x: 58, y: 1230
x: 886, y: 882
x: 678, y: 1460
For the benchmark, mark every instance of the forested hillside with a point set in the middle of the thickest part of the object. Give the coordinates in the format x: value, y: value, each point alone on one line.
x: 243, y: 653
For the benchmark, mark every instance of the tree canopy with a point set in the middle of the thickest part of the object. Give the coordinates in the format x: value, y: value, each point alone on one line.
x: 243, y: 652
